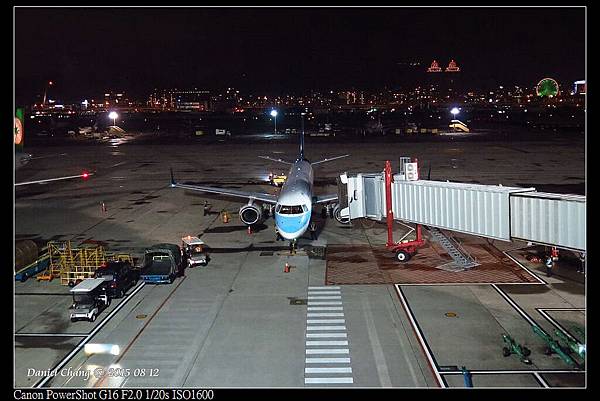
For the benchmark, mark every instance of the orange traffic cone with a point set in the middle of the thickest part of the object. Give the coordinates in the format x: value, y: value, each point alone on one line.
x: 286, y: 268
x: 249, y: 230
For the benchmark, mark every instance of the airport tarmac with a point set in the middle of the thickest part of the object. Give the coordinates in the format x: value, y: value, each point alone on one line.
x: 242, y: 321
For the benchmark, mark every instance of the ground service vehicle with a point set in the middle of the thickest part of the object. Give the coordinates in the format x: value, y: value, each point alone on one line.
x: 89, y: 299
x: 194, y: 251
x: 119, y: 276
x: 162, y: 263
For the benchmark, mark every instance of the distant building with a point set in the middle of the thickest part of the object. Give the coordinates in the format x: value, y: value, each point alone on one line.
x: 197, y: 100
x: 115, y: 99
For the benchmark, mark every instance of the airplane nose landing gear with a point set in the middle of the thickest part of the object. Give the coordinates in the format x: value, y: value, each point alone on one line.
x: 293, y: 246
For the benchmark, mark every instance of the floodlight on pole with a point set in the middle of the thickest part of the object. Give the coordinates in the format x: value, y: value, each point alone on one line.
x: 454, y: 112
x: 114, y: 116
x: 274, y: 115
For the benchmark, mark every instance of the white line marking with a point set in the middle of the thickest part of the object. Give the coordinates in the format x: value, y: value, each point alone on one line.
x: 92, y: 333
x: 380, y: 362
x: 324, y: 297
x: 540, y: 281
x: 515, y: 306
x: 325, y: 328
x: 556, y: 324
x: 327, y: 370
x: 325, y: 287
x: 313, y: 351
x: 329, y: 321
x: 310, y: 303
x: 329, y: 343
x: 537, y: 375
x: 327, y: 360
x: 50, y: 335
x: 509, y: 372
x: 328, y: 380
x: 326, y: 335
x: 332, y: 314
x: 419, y: 336
x: 310, y: 308
x: 324, y: 293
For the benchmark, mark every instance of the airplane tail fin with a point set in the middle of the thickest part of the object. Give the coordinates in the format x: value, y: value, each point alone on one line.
x: 301, y: 154
x: 329, y: 159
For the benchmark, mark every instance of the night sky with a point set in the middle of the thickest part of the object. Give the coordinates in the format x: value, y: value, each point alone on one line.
x: 87, y: 51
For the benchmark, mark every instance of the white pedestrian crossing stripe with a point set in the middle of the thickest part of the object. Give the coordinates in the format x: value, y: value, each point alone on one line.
x: 325, y: 328
x: 328, y: 380
x: 326, y: 335
x: 326, y: 314
x: 313, y: 308
x: 324, y: 351
x: 325, y: 287
x: 327, y: 370
x: 326, y: 342
x: 327, y: 360
x: 323, y: 321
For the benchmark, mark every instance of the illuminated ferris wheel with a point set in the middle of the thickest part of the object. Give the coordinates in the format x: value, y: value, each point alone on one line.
x: 547, y: 87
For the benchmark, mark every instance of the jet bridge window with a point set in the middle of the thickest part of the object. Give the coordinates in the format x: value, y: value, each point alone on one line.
x: 285, y: 209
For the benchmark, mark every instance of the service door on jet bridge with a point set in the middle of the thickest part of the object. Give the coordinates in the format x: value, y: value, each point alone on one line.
x: 372, y: 196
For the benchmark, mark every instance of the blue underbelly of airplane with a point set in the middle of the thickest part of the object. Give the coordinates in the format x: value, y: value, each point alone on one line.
x: 292, y: 226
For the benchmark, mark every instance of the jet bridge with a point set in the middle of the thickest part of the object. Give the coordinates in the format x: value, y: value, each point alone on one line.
x: 490, y: 211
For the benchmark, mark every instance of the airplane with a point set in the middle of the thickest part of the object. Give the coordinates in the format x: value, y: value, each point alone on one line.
x: 293, y: 206
x: 22, y: 158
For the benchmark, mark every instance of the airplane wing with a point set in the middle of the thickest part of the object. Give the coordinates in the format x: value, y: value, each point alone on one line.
x: 325, y: 198
x: 83, y: 175
x: 329, y: 159
x: 275, y: 160
x: 259, y: 196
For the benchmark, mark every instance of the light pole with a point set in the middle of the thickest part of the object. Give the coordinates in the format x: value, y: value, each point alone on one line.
x: 454, y: 112
x: 114, y: 116
x: 274, y: 115
x: 50, y: 83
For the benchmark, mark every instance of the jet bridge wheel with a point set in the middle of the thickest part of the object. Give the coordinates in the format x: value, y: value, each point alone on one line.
x: 403, y: 256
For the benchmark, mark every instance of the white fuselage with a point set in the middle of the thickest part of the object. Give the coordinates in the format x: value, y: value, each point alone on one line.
x: 294, y: 205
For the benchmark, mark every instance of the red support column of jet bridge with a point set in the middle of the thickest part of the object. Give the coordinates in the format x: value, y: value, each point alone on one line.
x: 404, y: 250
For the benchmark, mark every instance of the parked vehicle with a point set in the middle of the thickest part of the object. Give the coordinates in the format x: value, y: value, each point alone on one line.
x: 162, y: 263
x: 89, y: 299
x: 119, y: 276
x: 194, y: 251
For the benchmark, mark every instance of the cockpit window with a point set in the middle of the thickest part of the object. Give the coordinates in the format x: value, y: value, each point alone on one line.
x: 284, y: 209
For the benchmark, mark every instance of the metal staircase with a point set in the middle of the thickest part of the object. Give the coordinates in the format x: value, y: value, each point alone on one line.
x: 461, y: 259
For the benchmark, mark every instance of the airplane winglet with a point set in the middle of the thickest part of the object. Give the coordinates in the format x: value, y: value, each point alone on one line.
x: 172, y: 178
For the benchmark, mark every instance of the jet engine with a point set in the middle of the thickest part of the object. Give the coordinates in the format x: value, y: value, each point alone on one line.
x: 251, y: 214
x: 339, y: 214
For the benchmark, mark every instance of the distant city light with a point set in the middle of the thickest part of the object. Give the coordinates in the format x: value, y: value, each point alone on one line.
x: 274, y: 113
x: 455, y: 111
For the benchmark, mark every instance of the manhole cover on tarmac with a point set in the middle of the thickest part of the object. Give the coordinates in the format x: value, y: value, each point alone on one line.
x: 143, y: 316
